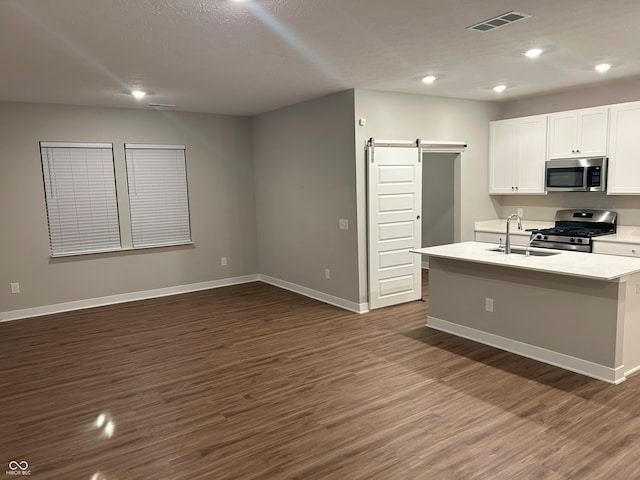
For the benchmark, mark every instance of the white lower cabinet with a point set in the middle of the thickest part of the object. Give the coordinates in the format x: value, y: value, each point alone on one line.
x: 617, y: 248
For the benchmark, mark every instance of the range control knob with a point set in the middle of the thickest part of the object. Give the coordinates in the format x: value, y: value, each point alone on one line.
x: 546, y: 238
x: 579, y: 240
x: 572, y: 240
x: 539, y: 236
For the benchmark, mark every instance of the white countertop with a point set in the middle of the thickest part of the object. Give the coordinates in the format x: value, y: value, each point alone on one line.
x: 500, y: 226
x: 623, y: 233
x: 576, y: 264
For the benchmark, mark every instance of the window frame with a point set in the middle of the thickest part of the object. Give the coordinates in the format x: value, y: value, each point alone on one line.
x: 184, y: 222
x: 60, y: 222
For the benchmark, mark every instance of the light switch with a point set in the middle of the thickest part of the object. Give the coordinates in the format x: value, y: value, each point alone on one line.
x: 344, y: 224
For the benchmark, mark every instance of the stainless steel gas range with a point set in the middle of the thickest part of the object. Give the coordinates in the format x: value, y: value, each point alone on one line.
x: 575, y: 229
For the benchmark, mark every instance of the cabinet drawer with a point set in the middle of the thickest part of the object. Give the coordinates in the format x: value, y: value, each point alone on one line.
x: 623, y: 249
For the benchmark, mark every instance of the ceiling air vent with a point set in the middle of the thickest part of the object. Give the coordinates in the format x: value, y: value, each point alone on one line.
x: 497, y: 22
x: 161, y: 105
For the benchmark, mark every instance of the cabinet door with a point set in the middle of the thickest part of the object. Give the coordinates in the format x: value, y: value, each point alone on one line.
x: 532, y: 147
x: 502, y: 156
x: 578, y: 133
x: 592, y: 132
x: 624, y: 149
x: 563, y: 128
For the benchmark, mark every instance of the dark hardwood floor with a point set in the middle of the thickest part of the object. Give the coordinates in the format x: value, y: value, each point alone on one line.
x: 254, y: 382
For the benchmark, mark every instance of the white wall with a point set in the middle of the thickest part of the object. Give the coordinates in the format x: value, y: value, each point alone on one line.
x: 396, y: 116
x: 544, y: 207
x: 221, y: 195
x: 305, y: 182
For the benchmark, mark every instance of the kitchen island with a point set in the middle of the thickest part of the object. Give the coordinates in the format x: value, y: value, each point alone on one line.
x: 579, y: 311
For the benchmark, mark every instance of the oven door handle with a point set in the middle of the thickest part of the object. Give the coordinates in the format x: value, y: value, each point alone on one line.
x: 562, y: 246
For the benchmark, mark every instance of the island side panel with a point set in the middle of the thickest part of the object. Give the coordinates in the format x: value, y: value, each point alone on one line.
x: 569, y: 315
x: 630, y: 311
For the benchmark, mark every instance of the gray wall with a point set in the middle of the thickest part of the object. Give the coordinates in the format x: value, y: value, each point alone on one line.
x: 593, y: 96
x: 438, y: 198
x: 397, y: 116
x: 222, y: 203
x: 544, y: 207
x: 581, y: 310
x: 305, y: 182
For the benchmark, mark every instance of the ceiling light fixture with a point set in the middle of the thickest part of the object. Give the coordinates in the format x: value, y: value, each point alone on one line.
x: 499, y: 88
x: 138, y: 94
x: 429, y: 79
x: 603, y: 67
x: 533, y: 53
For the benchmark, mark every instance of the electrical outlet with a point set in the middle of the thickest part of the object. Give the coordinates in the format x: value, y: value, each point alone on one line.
x: 520, y: 212
x: 15, y: 288
x: 488, y: 304
x: 343, y: 223
x: 327, y: 273
x: 223, y: 261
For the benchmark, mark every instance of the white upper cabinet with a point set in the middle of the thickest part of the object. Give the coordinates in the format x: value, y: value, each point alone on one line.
x: 578, y: 133
x: 624, y: 149
x: 517, y: 154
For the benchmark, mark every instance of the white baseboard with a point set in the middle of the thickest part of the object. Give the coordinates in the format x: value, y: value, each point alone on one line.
x: 317, y: 295
x: 632, y: 370
x: 123, y: 297
x: 193, y: 287
x: 578, y: 365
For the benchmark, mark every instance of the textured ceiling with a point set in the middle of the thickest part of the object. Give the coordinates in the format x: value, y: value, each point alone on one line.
x: 221, y: 56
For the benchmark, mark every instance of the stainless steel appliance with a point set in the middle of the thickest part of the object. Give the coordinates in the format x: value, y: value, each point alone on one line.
x: 574, y: 230
x: 587, y: 174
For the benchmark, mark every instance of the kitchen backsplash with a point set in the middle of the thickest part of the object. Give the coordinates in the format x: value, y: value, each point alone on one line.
x: 544, y: 207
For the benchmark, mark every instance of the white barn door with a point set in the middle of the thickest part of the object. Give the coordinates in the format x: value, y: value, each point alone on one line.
x: 394, y: 224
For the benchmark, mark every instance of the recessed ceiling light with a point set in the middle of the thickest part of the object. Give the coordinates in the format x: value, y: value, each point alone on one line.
x: 533, y: 53
x: 429, y: 79
x: 603, y: 67
x: 138, y: 94
x: 499, y: 88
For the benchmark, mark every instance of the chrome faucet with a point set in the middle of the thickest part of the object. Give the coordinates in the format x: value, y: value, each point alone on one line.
x: 507, y: 242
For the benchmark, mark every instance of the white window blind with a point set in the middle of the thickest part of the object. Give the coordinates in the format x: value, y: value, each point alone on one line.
x: 158, y: 196
x: 80, y: 192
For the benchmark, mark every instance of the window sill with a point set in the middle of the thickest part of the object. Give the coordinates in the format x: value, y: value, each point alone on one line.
x: 119, y: 250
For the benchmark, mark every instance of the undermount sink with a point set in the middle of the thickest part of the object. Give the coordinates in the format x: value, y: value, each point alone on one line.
x: 532, y: 253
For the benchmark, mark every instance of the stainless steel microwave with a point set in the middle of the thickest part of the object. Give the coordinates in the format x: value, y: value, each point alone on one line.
x: 587, y: 174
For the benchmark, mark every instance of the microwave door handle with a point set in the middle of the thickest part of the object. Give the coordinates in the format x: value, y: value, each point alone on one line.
x: 585, y: 176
